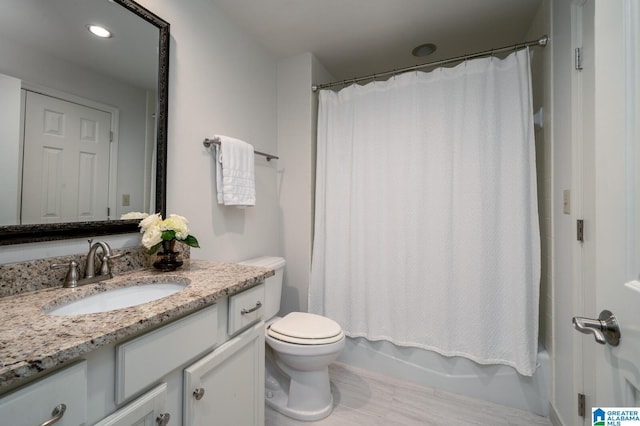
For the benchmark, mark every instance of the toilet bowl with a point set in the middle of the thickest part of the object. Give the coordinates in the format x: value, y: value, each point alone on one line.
x: 300, y: 347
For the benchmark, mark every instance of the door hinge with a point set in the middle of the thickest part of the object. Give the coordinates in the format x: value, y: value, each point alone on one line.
x: 581, y: 405
x: 580, y: 230
x: 578, y: 58
x: 108, y: 211
x: 111, y: 136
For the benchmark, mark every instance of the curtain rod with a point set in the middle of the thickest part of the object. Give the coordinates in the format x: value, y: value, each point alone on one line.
x: 542, y: 41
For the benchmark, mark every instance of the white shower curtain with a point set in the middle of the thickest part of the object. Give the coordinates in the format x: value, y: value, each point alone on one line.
x: 426, y: 227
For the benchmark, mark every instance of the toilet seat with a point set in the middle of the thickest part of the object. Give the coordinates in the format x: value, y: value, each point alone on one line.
x: 306, y: 329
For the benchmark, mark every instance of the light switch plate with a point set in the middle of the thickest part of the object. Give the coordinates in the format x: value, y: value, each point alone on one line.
x: 566, y: 201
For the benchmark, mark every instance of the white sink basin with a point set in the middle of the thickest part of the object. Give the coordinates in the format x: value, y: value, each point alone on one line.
x: 119, y: 298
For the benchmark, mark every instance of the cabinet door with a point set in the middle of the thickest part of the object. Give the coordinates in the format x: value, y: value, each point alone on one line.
x: 226, y: 387
x: 38, y: 402
x: 148, y: 410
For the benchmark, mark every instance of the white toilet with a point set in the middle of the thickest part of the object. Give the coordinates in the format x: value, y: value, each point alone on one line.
x: 299, y: 349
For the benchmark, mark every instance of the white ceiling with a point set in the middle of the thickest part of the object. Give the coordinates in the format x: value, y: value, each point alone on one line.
x: 352, y: 38
x: 57, y: 27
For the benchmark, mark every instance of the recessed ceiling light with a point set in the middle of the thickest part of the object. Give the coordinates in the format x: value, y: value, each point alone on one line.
x: 99, y: 31
x: 425, y: 49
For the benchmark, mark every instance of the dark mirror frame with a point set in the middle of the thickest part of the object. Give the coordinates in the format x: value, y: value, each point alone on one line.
x: 20, y: 234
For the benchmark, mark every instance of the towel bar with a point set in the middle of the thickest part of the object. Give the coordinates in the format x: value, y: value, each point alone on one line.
x: 208, y: 142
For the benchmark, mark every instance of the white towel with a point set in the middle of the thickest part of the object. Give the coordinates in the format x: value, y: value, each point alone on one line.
x: 235, y: 178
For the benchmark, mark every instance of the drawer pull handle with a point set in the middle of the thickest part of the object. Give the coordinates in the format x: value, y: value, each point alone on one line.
x: 255, y: 308
x: 198, y: 393
x: 56, y: 415
x: 163, y: 419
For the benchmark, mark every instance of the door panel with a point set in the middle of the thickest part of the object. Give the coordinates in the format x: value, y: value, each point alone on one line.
x: 66, y: 161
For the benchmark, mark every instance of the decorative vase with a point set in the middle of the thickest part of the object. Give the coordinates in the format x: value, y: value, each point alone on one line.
x: 168, y: 258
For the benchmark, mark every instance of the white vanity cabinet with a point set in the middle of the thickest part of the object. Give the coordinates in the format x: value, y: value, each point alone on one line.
x: 61, y: 395
x: 226, y: 387
x: 150, y: 379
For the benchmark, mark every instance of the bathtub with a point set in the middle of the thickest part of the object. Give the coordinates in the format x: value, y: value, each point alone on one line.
x: 500, y: 384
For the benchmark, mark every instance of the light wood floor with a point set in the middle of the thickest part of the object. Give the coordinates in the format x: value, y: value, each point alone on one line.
x: 366, y: 398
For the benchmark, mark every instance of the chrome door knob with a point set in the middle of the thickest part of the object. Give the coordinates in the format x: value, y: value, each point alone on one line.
x: 605, y: 329
x: 163, y: 419
x: 198, y: 393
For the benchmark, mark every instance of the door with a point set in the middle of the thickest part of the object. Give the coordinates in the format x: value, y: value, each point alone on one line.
x: 611, y: 201
x: 226, y: 387
x: 66, y: 161
x: 147, y: 410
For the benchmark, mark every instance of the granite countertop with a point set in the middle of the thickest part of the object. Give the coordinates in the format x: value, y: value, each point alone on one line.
x: 33, y: 341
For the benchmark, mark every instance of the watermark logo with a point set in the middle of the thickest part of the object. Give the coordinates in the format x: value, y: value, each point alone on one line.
x: 615, y: 416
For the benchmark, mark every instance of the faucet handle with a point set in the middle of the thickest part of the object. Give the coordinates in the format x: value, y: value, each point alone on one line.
x: 104, y: 269
x: 73, y: 274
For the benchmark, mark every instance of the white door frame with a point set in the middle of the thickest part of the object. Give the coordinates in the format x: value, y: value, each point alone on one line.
x: 582, y: 202
x: 577, y: 188
x: 113, y: 147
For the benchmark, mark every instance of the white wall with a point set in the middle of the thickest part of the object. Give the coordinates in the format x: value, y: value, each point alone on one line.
x: 297, y: 110
x: 294, y: 170
x: 10, y: 159
x: 564, y: 225
x: 220, y: 82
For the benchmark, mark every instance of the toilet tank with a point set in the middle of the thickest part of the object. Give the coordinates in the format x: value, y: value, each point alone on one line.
x: 273, y: 285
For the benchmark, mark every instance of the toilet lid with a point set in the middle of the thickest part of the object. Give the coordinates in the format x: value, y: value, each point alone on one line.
x: 306, y: 329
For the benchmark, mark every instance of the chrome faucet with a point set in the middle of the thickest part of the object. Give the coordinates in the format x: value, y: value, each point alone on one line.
x: 90, y: 276
x: 90, y: 267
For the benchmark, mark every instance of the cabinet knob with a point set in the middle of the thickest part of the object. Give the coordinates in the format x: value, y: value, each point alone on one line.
x: 56, y: 415
x: 163, y: 419
x: 198, y: 393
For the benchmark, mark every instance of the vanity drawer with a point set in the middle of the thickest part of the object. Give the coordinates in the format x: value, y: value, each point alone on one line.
x: 245, y: 308
x: 144, y: 360
x: 35, y: 403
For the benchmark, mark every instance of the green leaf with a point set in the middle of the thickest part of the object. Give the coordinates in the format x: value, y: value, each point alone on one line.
x: 169, y: 235
x: 155, y: 248
x: 191, y: 241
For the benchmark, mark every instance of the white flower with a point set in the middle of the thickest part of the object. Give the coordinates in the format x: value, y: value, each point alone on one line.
x: 150, y: 221
x: 134, y: 215
x: 178, y: 224
x: 155, y: 230
x: 152, y: 236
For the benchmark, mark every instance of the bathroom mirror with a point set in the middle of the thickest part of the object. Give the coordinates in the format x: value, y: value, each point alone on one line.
x: 46, y: 49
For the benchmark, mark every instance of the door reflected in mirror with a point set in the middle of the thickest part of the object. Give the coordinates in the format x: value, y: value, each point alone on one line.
x: 79, y: 130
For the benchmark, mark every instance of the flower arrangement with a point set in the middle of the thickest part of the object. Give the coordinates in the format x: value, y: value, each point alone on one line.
x: 155, y: 230
x: 133, y: 215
